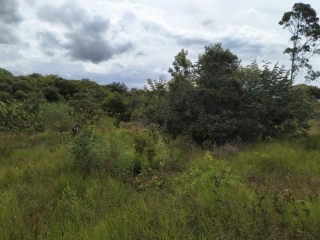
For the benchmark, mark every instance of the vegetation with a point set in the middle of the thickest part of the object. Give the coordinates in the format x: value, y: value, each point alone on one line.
x: 216, y: 100
x: 303, y: 23
x: 221, y: 151
x: 131, y: 183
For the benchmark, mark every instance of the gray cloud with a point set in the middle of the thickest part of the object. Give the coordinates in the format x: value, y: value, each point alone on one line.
x: 247, y: 50
x: 67, y: 14
x: 242, y: 45
x: 188, y: 41
x: 7, y: 35
x: 140, y: 53
x: 208, y: 23
x: 92, y: 49
x: 9, y: 12
x: 143, y: 35
x: 9, y: 18
x: 184, y: 41
x: 88, y: 44
x: 84, y: 35
x: 151, y: 27
x: 48, y: 42
x: 95, y: 27
x: 88, y: 48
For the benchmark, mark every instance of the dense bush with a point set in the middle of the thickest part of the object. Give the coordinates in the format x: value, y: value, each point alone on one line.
x: 216, y: 101
x: 90, y: 153
x: 56, y: 117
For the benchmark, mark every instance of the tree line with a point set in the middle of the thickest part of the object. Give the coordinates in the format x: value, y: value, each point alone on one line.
x: 214, y: 100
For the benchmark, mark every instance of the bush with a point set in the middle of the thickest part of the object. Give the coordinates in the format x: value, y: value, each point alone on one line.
x: 89, y: 151
x: 56, y: 117
x: 153, y: 153
x: 94, y: 153
x: 123, y: 165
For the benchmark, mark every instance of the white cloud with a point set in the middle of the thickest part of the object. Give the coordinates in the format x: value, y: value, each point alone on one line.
x: 131, y: 40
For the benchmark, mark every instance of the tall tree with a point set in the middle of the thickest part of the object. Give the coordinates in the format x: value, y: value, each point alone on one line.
x: 303, y: 23
x: 182, y: 96
x: 219, y: 91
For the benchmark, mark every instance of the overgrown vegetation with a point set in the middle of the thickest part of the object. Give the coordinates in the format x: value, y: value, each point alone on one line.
x: 213, y: 102
x: 221, y: 151
x: 217, y: 101
x: 131, y: 183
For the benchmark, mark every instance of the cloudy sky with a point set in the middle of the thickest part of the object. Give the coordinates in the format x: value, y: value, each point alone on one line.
x: 132, y: 40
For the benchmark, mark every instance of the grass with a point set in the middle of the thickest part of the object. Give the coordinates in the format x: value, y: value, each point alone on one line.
x: 268, y: 190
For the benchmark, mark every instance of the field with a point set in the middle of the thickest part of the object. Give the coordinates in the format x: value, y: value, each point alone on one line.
x: 130, y: 183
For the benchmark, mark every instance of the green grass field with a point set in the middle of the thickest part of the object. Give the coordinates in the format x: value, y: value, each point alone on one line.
x: 136, y: 184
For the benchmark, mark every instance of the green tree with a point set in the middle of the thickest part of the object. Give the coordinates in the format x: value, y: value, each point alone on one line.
x: 20, y: 95
x: 115, y: 105
x: 270, y: 106
x: 182, y: 96
x: 136, y: 103
x: 56, y: 117
x: 86, y: 108
x: 51, y: 93
x: 303, y: 23
x: 21, y: 84
x: 6, y: 76
x: 155, y: 104
x: 5, y: 87
x: 14, y: 116
x: 219, y: 92
x: 216, y: 62
x: 216, y: 101
x: 312, y: 91
x: 182, y: 66
x: 67, y: 88
x: 117, y: 87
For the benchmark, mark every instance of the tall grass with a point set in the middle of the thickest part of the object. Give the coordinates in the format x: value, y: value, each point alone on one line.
x: 150, y: 187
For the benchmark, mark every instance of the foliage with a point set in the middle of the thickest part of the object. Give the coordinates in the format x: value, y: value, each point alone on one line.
x: 120, y: 88
x: 51, y: 93
x: 56, y: 117
x: 274, y: 106
x: 312, y: 91
x: 216, y: 101
x: 268, y: 190
x: 211, y: 102
x: 147, y: 179
x: 89, y: 151
x: 116, y: 106
x: 87, y: 109
x: 155, y: 104
x: 14, y: 116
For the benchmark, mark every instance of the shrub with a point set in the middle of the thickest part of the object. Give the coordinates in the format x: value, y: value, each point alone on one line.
x: 56, y: 117
x: 69, y: 201
x: 123, y: 165
x: 89, y: 151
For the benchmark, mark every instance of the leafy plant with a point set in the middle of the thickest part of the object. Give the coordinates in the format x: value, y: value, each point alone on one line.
x: 89, y: 151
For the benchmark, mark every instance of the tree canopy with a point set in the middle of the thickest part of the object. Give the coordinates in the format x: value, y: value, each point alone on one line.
x: 216, y: 100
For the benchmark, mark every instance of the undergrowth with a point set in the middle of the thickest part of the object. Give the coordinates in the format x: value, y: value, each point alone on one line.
x: 131, y: 183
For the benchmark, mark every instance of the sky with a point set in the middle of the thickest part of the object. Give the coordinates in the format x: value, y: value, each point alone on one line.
x: 131, y: 41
